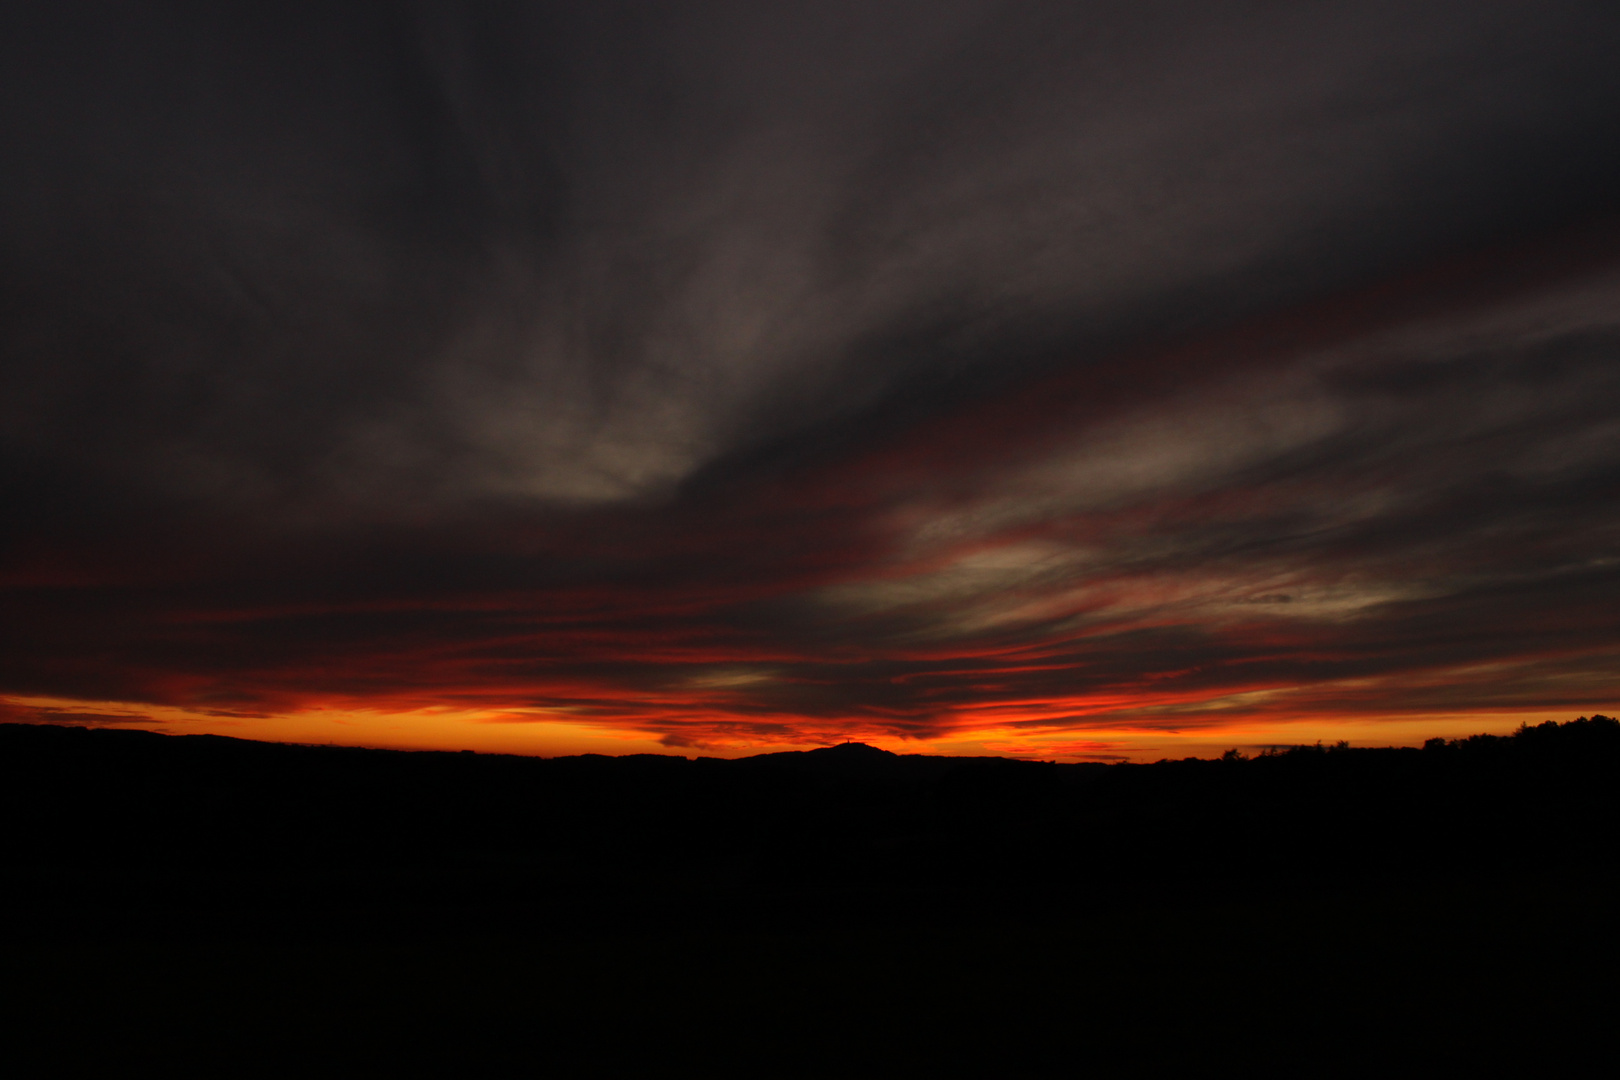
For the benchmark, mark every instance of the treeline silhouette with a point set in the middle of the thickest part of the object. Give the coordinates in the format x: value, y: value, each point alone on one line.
x: 107, y: 801
x: 270, y: 909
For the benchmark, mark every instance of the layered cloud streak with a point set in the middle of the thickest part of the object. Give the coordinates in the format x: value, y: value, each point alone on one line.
x: 755, y: 378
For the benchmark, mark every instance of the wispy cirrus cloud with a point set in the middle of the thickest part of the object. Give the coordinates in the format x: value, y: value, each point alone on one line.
x: 735, y: 376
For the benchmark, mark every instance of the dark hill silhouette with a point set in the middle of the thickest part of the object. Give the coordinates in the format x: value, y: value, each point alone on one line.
x: 832, y: 912
x: 844, y: 761
x: 106, y: 800
x: 842, y: 753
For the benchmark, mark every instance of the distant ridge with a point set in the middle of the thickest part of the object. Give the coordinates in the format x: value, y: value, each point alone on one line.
x: 134, y: 802
x: 849, y: 750
x: 844, y: 760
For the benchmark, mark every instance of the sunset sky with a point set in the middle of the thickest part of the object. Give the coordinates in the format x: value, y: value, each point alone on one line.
x: 1078, y: 381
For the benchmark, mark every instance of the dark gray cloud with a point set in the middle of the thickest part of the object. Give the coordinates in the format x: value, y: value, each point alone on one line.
x: 787, y: 325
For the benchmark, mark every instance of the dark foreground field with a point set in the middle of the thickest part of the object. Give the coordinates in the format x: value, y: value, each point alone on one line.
x: 271, y: 909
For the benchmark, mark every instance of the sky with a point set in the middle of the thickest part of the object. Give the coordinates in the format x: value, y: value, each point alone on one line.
x: 1077, y: 381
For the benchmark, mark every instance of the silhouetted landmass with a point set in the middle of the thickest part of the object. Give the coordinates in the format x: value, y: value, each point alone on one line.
x: 845, y: 886
x: 843, y: 815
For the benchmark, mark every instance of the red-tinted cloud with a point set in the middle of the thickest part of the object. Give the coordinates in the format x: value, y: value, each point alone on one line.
x: 1337, y: 512
x: 975, y: 376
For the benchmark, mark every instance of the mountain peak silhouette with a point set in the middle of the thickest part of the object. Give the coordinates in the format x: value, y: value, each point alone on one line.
x: 853, y: 751
x: 844, y: 759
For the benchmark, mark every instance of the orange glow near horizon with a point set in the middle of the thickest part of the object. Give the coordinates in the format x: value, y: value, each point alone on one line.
x: 543, y: 733
x: 1212, y: 553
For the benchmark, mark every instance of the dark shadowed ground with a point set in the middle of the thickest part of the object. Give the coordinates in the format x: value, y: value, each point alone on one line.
x: 842, y: 912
